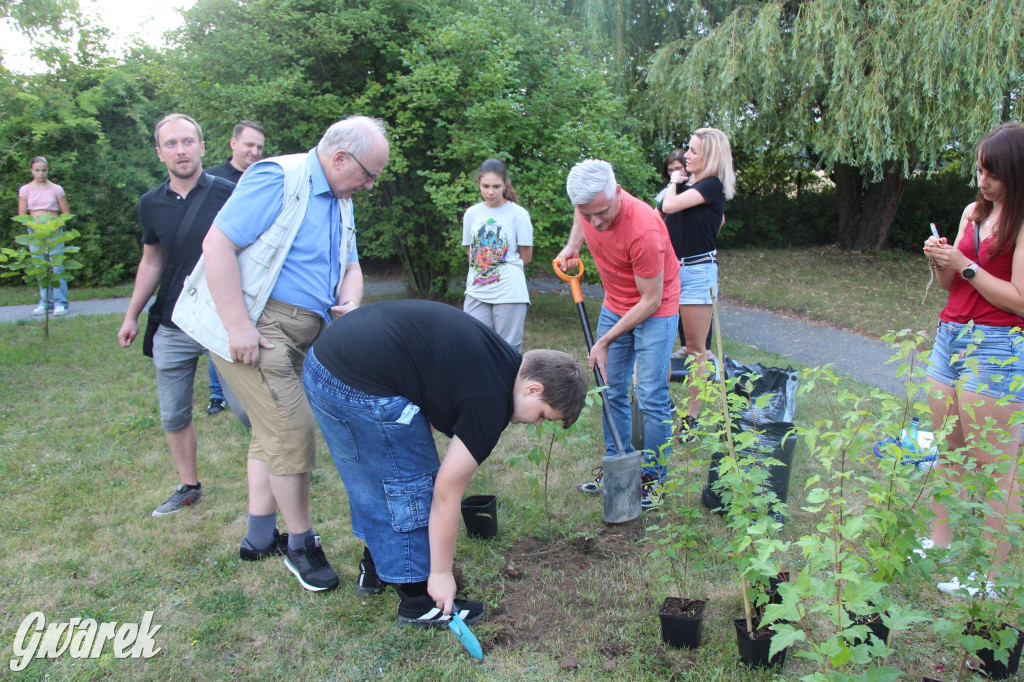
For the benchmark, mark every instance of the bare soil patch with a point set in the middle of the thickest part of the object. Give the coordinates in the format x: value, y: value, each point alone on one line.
x: 553, y: 593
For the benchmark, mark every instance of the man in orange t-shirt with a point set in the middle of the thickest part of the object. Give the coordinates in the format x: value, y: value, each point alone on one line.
x: 640, y: 274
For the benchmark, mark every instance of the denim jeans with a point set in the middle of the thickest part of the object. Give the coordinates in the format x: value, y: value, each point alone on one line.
x: 58, y: 296
x: 649, y: 347
x: 384, y: 451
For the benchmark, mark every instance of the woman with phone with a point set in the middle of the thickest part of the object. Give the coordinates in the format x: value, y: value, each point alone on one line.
x: 694, y: 209
x: 979, y: 345
x: 498, y: 237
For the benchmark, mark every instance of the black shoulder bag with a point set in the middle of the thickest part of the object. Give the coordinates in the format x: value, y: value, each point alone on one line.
x: 155, y: 313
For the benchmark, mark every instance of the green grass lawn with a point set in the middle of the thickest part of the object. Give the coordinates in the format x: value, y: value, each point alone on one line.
x: 867, y: 293
x: 83, y: 462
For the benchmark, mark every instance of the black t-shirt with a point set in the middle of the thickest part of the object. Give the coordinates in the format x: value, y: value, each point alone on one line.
x: 459, y: 372
x: 161, y: 211
x: 695, y: 230
x: 226, y: 171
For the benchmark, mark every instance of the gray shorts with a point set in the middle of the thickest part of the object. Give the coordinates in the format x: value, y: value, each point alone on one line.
x: 175, y: 355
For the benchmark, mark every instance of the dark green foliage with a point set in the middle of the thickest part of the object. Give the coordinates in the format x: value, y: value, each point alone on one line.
x: 93, y: 126
x: 456, y: 82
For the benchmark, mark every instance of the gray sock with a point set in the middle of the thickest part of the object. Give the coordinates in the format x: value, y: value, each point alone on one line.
x: 298, y: 540
x: 260, y: 535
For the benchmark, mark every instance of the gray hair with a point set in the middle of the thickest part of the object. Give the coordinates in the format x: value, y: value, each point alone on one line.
x: 353, y: 134
x: 589, y: 178
x: 175, y: 117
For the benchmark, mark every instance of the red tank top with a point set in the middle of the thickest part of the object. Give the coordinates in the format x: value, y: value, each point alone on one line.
x: 965, y: 303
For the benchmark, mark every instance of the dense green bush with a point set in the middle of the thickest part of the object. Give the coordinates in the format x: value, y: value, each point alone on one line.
x: 93, y: 126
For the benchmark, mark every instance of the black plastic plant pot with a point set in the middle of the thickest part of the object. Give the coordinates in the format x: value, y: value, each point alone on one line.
x: 996, y: 670
x: 681, y: 621
x: 480, y: 512
x: 874, y: 622
x: 754, y: 651
x: 773, y: 587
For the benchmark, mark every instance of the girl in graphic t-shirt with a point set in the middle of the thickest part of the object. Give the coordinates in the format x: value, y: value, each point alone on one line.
x: 978, y: 358
x: 694, y: 208
x: 44, y: 199
x: 498, y: 237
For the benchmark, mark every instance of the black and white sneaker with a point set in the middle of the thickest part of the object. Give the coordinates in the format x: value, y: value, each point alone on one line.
x: 595, y: 486
x: 368, y: 584
x: 279, y: 546
x: 650, y: 492
x: 422, y: 611
x: 310, y: 566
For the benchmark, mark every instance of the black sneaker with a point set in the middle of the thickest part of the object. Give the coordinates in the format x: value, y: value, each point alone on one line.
x: 216, y: 406
x: 421, y: 611
x: 279, y: 546
x: 368, y: 584
x: 650, y: 492
x: 687, y: 429
x: 310, y: 566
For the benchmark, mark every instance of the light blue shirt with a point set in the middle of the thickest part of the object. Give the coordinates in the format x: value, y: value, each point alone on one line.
x: 310, y: 273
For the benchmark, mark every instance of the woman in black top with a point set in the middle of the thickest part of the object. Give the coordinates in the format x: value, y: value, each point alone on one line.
x: 694, y: 208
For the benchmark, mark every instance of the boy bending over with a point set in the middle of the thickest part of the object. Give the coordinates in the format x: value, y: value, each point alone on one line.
x: 377, y: 379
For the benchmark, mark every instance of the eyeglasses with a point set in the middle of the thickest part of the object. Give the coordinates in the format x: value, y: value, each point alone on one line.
x: 370, y: 177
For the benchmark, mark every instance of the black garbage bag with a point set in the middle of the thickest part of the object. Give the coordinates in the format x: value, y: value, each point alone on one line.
x: 770, y: 422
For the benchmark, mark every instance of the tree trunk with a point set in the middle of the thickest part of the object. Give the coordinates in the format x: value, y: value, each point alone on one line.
x: 866, y: 211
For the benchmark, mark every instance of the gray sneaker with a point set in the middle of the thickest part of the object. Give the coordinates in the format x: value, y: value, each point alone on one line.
x: 183, y: 497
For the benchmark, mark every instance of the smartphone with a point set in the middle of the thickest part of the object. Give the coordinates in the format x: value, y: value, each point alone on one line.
x: 935, y: 231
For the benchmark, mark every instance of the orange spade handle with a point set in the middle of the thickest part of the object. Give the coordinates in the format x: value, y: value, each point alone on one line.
x: 573, y: 280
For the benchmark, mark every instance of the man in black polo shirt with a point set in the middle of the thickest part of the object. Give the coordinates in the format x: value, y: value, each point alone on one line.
x: 175, y: 218
x: 377, y: 380
x: 246, y: 149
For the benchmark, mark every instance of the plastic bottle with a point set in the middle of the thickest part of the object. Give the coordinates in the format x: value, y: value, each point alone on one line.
x: 910, y: 442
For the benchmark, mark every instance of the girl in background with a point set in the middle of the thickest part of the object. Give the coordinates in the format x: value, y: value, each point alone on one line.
x: 983, y: 270
x: 694, y: 208
x: 498, y: 237
x: 44, y: 199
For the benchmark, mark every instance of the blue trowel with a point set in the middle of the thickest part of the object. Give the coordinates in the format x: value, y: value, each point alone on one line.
x: 466, y: 637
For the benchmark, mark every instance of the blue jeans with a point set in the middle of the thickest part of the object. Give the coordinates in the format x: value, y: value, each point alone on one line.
x: 384, y: 451
x: 649, y: 347
x: 59, y: 296
x: 216, y: 392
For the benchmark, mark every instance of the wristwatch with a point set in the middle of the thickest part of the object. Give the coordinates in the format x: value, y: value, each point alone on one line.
x: 970, y: 271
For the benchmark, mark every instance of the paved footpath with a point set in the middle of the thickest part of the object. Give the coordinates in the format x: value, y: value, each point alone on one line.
x: 804, y: 343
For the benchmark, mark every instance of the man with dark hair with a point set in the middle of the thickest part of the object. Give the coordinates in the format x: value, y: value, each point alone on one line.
x: 280, y: 261
x: 246, y: 149
x: 377, y: 380
x: 173, y: 228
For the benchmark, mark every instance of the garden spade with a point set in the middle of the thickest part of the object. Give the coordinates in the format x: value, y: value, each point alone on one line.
x: 621, y: 471
x: 466, y: 637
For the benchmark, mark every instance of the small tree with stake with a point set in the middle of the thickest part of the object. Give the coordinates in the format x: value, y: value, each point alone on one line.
x: 43, y: 256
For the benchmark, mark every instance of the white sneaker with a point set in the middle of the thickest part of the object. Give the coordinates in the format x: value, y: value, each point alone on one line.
x: 956, y: 588
x: 927, y: 545
x: 60, y: 310
x: 40, y: 310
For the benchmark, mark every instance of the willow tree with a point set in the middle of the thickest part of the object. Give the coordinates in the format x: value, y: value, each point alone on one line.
x: 870, y: 90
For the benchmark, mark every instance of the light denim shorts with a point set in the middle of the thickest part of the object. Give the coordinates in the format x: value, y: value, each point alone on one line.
x: 696, y: 283
x: 989, y: 360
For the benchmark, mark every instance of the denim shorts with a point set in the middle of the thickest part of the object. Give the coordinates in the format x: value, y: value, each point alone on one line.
x: 989, y: 360
x: 385, y: 453
x: 696, y: 283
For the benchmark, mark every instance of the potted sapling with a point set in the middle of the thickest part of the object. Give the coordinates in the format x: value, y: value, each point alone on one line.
x: 678, y: 534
